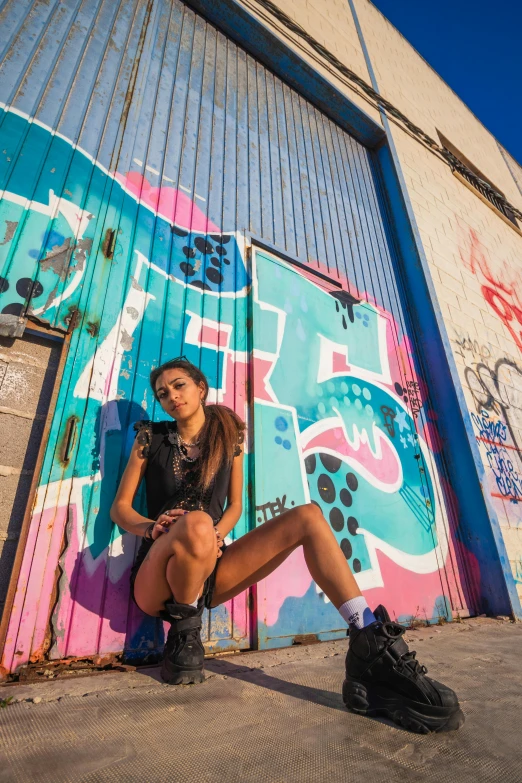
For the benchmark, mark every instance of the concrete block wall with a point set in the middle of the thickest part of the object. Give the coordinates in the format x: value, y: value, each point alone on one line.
x: 474, y: 255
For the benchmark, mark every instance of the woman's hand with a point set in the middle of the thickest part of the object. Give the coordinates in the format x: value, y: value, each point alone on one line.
x: 165, y: 520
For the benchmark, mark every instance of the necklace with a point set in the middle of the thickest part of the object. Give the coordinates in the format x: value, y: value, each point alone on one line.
x: 194, y: 442
x: 184, y: 446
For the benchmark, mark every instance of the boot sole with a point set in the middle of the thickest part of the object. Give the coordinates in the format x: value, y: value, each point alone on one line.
x: 177, y: 676
x: 371, y: 700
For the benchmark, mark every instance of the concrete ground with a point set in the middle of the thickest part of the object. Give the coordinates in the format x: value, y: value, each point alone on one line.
x: 275, y: 716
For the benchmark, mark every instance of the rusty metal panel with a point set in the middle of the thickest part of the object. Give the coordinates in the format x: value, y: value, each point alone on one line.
x: 138, y: 148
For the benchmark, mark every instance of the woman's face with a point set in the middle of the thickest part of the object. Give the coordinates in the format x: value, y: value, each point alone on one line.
x: 178, y: 394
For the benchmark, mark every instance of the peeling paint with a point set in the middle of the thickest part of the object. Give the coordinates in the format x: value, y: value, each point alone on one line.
x: 58, y: 259
x: 126, y: 340
x: 10, y: 228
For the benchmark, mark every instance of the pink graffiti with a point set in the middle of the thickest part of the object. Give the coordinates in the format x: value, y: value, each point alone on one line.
x: 400, y: 587
x: 293, y: 580
x: 383, y: 464
x: 28, y: 624
x: 431, y: 432
x: 290, y: 580
x: 174, y: 205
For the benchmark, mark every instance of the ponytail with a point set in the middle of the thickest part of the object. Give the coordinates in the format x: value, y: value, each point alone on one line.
x: 219, y: 441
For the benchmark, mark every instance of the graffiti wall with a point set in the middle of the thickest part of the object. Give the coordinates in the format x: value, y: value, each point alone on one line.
x: 336, y: 416
x: 125, y: 221
x: 135, y: 302
x: 493, y: 381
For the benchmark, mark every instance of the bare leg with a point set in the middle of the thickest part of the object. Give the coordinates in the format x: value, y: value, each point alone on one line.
x: 177, y: 564
x: 258, y: 553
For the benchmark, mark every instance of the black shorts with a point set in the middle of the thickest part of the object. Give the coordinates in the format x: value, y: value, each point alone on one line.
x: 210, y: 581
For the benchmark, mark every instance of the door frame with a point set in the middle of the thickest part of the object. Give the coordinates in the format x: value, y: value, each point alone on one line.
x: 38, y: 329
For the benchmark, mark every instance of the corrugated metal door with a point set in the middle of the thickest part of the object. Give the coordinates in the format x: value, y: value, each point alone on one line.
x: 137, y: 146
x: 336, y: 423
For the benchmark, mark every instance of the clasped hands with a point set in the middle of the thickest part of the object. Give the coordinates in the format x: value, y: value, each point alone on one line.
x: 165, y: 521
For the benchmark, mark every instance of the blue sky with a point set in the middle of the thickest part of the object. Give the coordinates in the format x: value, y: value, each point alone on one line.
x: 476, y: 46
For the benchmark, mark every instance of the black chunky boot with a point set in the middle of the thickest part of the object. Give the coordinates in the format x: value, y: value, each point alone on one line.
x: 183, y: 656
x: 383, y: 678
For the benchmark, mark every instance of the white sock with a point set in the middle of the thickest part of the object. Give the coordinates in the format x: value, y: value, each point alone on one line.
x: 356, y: 612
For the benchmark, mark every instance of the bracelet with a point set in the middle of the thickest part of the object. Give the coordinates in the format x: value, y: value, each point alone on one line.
x: 148, y: 530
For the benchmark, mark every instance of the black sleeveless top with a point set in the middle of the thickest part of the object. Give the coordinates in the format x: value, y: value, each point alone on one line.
x: 172, y: 482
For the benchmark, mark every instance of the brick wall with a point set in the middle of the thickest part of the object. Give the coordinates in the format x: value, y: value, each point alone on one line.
x: 475, y: 256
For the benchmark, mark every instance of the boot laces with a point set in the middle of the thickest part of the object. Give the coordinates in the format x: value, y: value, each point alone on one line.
x: 407, y: 660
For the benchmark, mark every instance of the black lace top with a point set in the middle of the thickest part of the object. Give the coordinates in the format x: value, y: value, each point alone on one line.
x: 171, y: 481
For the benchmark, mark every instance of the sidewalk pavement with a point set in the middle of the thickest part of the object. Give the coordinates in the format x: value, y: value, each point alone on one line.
x: 275, y: 717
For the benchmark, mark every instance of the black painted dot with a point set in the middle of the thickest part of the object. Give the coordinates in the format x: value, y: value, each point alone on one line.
x: 326, y: 488
x: 187, y: 269
x: 337, y: 519
x: 203, y: 246
x: 356, y: 565
x: 346, y: 548
x: 215, y: 261
x: 13, y: 309
x: 310, y: 463
x: 200, y: 284
x: 221, y: 251
x: 28, y: 288
x: 179, y: 231
x: 351, y: 480
x: 214, y: 275
x: 352, y: 525
x: 332, y: 464
x: 345, y: 497
x: 337, y: 305
x: 405, y: 398
x: 221, y: 238
x: 227, y: 261
x: 399, y: 389
x: 189, y: 251
x: 345, y: 325
x: 4, y: 284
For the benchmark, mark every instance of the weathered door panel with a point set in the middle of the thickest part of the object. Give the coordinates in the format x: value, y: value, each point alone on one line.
x: 331, y: 427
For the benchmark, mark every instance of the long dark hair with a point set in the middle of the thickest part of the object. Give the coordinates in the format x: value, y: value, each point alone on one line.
x: 223, y: 429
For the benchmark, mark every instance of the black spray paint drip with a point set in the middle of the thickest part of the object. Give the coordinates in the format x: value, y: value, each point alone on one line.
x: 347, y: 301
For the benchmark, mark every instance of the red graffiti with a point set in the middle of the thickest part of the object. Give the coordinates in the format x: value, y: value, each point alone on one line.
x: 503, y: 298
x: 507, y: 312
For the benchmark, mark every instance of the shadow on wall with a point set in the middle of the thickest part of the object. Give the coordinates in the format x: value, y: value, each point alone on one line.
x: 99, y: 577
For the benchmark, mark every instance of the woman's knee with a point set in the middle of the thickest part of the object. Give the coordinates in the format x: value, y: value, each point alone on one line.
x: 311, y: 516
x: 194, y: 533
